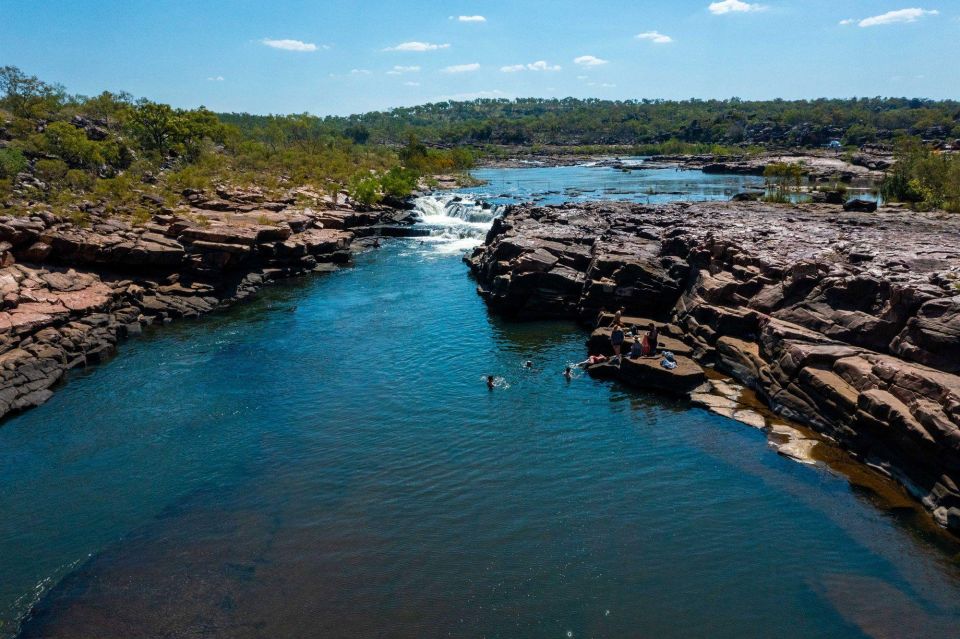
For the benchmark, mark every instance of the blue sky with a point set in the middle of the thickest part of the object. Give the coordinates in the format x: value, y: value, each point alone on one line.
x: 341, y: 56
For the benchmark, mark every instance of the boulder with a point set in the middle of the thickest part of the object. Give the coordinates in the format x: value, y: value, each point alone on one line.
x: 649, y: 373
x: 860, y: 205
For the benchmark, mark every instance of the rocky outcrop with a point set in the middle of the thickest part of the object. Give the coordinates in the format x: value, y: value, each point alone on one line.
x: 70, y: 292
x: 819, y: 166
x: 846, y: 321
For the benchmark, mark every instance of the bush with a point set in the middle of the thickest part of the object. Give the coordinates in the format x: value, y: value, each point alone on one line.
x: 398, y: 183
x: 923, y: 177
x: 51, y: 171
x: 12, y: 162
x: 785, y: 179
x: 80, y: 180
x: 71, y: 145
x: 366, y: 191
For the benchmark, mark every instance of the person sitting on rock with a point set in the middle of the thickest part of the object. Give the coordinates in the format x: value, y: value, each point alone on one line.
x: 618, y: 316
x: 616, y: 339
x: 653, y: 339
x: 637, y: 349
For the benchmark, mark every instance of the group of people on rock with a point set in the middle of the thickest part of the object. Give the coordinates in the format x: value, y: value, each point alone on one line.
x: 645, y: 345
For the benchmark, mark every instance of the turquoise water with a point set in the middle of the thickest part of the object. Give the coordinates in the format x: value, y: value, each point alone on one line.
x: 327, y: 461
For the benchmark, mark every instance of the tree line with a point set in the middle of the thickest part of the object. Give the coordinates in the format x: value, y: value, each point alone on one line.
x: 574, y: 122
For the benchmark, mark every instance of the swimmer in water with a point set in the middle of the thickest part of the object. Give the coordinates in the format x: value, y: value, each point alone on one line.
x: 489, y: 382
x: 568, y: 373
x: 528, y: 364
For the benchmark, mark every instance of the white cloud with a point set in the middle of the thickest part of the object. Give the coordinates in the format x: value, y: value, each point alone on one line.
x: 216, y: 78
x: 400, y: 70
x: 462, y: 68
x: 539, y: 65
x: 733, y: 6
x: 590, y: 61
x: 893, y: 17
x: 846, y: 22
x: 582, y: 77
x: 470, y: 18
x: 411, y: 84
x: 417, y: 46
x: 290, y: 45
x: 655, y: 37
x: 360, y: 72
x: 602, y: 85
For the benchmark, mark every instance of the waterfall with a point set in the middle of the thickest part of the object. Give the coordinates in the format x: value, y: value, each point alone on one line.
x: 456, y: 220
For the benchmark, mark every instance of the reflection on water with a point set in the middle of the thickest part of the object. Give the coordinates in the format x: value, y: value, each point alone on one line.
x: 328, y: 461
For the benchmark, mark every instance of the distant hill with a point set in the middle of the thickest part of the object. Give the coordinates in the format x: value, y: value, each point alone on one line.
x: 570, y: 121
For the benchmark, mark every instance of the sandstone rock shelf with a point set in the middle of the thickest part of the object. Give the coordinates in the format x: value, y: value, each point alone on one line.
x: 847, y: 322
x: 70, y: 292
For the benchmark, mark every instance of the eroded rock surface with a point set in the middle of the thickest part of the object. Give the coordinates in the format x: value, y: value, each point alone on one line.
x: 846, y: 321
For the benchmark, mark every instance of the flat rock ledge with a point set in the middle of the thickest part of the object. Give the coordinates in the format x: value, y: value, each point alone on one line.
x: 70, y: 293
x: 846, y: 322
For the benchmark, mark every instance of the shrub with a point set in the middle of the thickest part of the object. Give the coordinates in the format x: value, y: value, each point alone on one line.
x: 366, y: 190
x: 785, y: 179
x: 923, y: 177
x: 51, y: 171
x: 71, y: 145
x: 80, y: 180
x: 12, y: 162
x: 398, y: 183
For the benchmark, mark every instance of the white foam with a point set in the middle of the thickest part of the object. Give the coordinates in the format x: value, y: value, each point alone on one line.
x: 457, y: 222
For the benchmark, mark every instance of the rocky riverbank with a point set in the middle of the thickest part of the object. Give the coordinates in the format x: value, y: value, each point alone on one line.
x: 72, y: 290
x: 867, y: 166
x: 819, y: 165
x: 846, y: 322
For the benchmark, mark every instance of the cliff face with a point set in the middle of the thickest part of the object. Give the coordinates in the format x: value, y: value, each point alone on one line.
x: 848, y: 322
x: 70, y: 292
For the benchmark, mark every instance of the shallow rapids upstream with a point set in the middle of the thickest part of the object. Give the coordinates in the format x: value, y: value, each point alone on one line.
x: 327, y: 461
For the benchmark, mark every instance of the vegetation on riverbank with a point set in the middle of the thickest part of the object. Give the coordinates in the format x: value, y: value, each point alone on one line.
x: 69, y: 153
x: 924, y: 177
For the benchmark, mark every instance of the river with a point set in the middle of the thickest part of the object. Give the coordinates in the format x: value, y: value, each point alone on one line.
x: 327, y: 461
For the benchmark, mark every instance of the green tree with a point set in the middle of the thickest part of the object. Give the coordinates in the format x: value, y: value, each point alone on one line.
x: 154, y: 125
x: 28, y: 97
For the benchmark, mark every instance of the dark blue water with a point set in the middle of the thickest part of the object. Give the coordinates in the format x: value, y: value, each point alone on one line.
x: 327, y: 461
